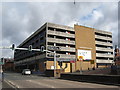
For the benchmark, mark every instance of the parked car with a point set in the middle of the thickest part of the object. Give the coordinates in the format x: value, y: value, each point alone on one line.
x: 26, y: 72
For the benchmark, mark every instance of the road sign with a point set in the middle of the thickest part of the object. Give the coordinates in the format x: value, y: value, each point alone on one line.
x: 1, y: 63
x: 80, y: 58
x: 52, y: 55
x: 55, y: 48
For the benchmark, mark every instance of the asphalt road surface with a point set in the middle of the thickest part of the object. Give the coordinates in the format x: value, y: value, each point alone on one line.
x: 31, y: 81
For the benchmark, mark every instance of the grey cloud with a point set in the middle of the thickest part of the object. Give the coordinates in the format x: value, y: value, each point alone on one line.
x: 21, y: 19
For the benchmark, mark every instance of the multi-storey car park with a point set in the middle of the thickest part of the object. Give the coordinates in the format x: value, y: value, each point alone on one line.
x: 104, y: 47
x: 48, y: 35
x: 70, y: 40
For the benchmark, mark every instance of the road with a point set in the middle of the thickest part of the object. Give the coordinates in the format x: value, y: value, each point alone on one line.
x: 31, y: 81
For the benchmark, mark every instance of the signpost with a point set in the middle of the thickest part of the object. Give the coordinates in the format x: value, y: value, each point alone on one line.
x: 80, y: 58
x: 55, y: 49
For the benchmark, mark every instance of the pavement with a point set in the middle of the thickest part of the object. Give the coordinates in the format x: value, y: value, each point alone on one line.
x: 5, y: 84
x: 0, y: 80
x: 104, y: 71
x: 16, y: 80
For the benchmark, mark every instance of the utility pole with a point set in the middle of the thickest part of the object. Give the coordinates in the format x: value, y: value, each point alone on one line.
x: 80, y: 60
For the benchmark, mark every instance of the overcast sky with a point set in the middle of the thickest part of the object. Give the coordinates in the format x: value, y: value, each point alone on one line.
x: 21, y: 19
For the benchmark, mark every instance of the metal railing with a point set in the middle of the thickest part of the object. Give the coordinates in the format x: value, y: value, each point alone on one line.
x: 104, y: 55
x: 60, y: 41
x: 68, y: 49
x: 103, y: 43
x: 66, y: 56
x: 104, y: 61
x: 61, y: 34
x: 62, y: 48
x: 103, y: 32
x: 103, y: 37
x: 104, y: 49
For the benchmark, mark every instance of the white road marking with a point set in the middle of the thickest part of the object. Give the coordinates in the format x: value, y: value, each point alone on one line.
x: 12, y: 84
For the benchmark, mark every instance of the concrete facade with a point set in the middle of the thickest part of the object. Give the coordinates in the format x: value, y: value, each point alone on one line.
x: 98, y: 42
x: 49, y: 35
x: 104, y: 48
x: 69, y: 40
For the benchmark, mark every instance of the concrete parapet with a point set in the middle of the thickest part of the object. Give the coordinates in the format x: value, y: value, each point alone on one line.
x: 103, y: 79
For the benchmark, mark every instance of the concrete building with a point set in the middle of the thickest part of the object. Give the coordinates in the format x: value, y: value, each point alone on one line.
x: 8, y: 64
x: 104, y: 47
x: 117, y: 56
x: 49, y: 35
x: 94, y: 46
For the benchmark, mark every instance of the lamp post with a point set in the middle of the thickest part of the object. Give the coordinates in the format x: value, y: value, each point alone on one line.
x: 81, y: 66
